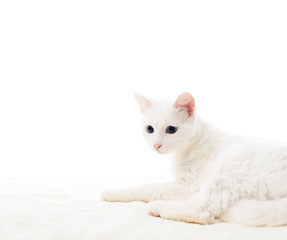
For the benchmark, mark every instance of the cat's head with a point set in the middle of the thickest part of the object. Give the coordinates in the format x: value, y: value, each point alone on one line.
x: 167, y: 125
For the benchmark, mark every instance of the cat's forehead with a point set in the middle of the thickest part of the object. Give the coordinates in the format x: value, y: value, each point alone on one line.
x: 163, y: 112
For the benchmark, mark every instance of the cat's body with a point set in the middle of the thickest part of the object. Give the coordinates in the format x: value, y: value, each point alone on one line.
x: 217, y: 176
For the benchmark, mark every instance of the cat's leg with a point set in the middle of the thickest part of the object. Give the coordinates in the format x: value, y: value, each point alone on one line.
x: 215, y: 197
x: 148, y: 192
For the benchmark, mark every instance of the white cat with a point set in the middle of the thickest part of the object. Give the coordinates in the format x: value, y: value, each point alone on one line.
x: 217, y: 176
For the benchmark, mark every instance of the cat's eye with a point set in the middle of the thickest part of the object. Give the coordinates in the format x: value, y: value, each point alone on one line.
x: 149, y: 129
x: 171, y: 130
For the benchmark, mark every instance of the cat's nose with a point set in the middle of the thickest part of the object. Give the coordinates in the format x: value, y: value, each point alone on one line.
x: 157, y: 146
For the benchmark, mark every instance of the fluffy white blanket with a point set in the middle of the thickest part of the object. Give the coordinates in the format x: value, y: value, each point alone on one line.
x: 69, y: 209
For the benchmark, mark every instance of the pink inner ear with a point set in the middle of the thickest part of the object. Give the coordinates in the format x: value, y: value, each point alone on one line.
x: 186, y: 102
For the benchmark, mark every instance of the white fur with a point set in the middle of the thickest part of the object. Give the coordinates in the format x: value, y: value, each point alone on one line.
x: 217, y: 176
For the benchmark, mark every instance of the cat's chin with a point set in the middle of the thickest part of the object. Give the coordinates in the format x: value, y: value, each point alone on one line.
x: 162, y: 152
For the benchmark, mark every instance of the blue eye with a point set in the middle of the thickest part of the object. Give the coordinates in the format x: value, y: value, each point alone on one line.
x: 149, y: 129
x: 171, y: 130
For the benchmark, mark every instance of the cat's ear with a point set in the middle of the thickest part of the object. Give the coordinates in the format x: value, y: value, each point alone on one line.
x: 185, y: 102
x: 142, y: 101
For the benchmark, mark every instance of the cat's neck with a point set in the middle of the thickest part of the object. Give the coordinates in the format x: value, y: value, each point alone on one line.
x: 197, y: 155
x: 203, y: 141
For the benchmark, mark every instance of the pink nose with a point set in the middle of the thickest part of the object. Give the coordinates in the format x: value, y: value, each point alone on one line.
x: 157, y: 146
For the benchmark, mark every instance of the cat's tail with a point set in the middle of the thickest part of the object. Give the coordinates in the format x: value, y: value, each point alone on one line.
x: 255, y: 213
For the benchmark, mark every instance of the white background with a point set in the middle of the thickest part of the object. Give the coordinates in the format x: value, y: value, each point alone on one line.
x: 68, y: 70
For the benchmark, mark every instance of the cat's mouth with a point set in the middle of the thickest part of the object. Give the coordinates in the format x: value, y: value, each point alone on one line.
x: 160, y: 150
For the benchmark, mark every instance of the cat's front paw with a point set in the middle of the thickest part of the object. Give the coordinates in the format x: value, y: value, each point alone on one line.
x: 159, y: 209
x: 178, y: 211
x: 112, y: 196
